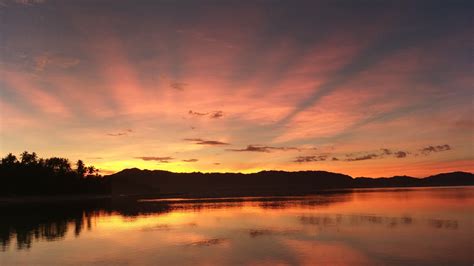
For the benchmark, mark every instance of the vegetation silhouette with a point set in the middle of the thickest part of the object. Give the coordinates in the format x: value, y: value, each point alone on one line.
x: 32, y: 176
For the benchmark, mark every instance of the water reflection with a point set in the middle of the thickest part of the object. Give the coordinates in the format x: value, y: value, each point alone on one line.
x: 408, y: 226
x: 51, y: 222
x: 42, y: 223
x: 386, y: 221
x: 208, y: 242
x: 267, y: 232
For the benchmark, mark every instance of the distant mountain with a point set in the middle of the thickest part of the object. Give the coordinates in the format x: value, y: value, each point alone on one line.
x: 140, y: 182
x: 445, y: 179
x: 453, y: 179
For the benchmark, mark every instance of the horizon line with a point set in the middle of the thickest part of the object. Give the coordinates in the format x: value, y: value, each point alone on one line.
x: 260, y: 171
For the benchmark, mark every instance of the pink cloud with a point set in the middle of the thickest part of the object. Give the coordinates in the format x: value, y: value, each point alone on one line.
x: 26, y: 86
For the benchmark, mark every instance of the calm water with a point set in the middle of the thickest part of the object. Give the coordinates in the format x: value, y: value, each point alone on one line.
x: 420, y: 226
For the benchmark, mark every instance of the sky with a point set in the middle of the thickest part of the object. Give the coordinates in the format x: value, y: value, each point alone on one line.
x: 365, y: 88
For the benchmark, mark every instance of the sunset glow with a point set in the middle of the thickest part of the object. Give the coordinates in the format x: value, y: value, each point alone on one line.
x: 240, y: 87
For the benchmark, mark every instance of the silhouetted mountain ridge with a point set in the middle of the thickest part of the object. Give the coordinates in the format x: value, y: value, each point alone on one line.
x: 136, y: 181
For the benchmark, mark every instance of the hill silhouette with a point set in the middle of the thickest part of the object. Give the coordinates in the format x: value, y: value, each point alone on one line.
x: 135, y: 181
x: 33, y: 176
x: 444, y: 179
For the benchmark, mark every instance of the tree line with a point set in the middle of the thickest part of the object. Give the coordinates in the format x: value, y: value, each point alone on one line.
x: 31, y: 175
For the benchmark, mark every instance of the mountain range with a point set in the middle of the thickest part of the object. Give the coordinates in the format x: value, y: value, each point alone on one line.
x: 157, y: 182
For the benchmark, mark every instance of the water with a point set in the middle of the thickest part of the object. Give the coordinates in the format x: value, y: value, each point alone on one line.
x: 417, y: 226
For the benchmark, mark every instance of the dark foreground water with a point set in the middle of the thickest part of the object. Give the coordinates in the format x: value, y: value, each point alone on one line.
x: 417, y: 226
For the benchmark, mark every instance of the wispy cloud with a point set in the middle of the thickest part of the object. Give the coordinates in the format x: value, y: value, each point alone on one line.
x: 190, y: 160
x: 401, y: 154
x: 261, y: 148
x: 29, y: 2
x: 200, y: 141
x: 121, y: 133
x: 205, y: 37
x: 116, y: 134
x: 384, y: 152
x: 396, y: 154
x: 212, y: 115
x: 191, y: 112
x: 438, y: 148
x: 217, y: 114
x: 376, y: 51
x: 165, y: 159
x: 363, y: 157
x: 312, y: 158
x: 46, y: 60
x: 178, y: 85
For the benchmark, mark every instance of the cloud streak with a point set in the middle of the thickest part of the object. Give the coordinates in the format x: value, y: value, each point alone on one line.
x: 437, y: 148
x: 384, y: 152
x: 216, y: 114
x: 47, y: 60
x: 190, y: 160
x: 191, y: 112
x: 212, y: 115
x: 165, y: 159
x: 401, y: 154
x: 178, y: 85
x: 311, y: 158
x: 261, y: 148
x: 200, y: 141
x: 29, y: 2
x: 119, y: 134
x: 363, y: 157
x: 387, y: 44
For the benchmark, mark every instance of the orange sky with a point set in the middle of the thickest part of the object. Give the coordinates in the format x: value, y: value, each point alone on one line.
x: 368, y: 90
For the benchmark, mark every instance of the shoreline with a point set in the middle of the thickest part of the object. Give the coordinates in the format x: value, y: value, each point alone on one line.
x: 199, y: 197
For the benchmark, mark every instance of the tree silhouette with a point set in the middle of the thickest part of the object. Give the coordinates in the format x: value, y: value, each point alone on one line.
x: 60, y: 165
x: 28, y: 158
x: 81, y: 168
x: 51, y: 176
x: 9, y: 160
x: 91, y: 170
